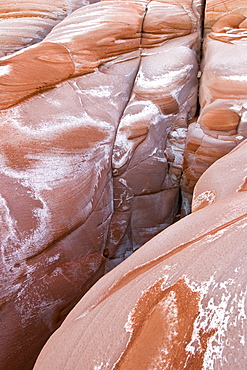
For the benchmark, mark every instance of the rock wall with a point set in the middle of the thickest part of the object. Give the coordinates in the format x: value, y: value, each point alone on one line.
x: 93, y: 123
x: 179, y: 302
x: 94, y: 115
x: 147, y: 157
x: 223, y: 94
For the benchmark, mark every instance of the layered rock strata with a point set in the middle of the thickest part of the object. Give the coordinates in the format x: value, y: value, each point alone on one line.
x: 90, y: 142
x: 23, y: 23
x: 223, y: 98
x: 179, y: 302
x: 147, y: 156
x: 216, y: 9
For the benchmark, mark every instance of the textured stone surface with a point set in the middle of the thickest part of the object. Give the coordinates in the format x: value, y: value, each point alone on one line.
x: 179, y: 302
x: 23, y: 22
x: 215, y: 9
x: 147, y: 156
x: 223, y: 97
x: 92, y: 131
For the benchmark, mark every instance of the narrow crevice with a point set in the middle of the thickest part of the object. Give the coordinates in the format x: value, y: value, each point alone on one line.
x: 200, y: 56
x: 134, y: 78
x: 130, y: 94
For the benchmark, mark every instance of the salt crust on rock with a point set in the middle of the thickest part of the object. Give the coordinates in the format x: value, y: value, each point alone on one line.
x: 179, y: 302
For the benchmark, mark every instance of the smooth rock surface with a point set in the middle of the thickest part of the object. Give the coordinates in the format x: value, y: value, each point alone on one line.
x: 179, y: 302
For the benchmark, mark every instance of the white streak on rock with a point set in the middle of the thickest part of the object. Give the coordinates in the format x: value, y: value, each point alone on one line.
x: 5, y: 70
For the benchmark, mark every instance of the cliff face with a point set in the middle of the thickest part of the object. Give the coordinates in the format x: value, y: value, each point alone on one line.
x: 179, y: 302
x: 96, y: 119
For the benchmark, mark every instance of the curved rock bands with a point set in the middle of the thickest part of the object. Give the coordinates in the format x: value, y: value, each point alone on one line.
x: 162, y: 99
x: 93, y: 129
x: 24, y: 23
x: 216, y: 9
x: 93, y: 123
x: 222, y: 121
x: 187, y: 311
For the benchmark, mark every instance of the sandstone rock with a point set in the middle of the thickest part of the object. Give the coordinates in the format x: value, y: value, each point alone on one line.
x: 24, y: 23
x: 179, y: 301
x: 222, y: 121
x: 147, y: 156
x: 68, y: 105
x: 215, y: 9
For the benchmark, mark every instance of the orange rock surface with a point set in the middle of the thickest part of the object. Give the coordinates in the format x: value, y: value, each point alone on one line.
x: 223, y: 94
x: 179, y: 302
x: 94, y: 112
x: 93, y: 124
x: 25, y: 22
x: 215, y: 9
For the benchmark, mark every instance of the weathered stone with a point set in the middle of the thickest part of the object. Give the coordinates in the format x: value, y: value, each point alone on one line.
x: 179, y: 302
x: 91, y: 156
x: 223, y: 94
x: 24, y: 23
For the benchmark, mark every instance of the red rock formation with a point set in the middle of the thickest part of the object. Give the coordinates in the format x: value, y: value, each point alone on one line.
x: 148, y: 151
x: 223, y: 94
x: 179, y: 302
x: 215, y: 9
x: 24, y: 23
x: 67, y: 107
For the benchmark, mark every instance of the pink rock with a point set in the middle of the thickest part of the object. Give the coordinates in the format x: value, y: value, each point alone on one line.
x: 164, y: 96
x: 69, y: 106
x: 24, y: 23
x: 215, y: 9
x: 179, y: 301
x: 222, y: 121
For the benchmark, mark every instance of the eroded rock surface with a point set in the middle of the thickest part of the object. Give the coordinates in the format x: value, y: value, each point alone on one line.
x: 179, y: 302
x: 92, y: 131
x: 223, y: 98
x: 147, y: 156
x: 23, y: 23
x: 216, y: 9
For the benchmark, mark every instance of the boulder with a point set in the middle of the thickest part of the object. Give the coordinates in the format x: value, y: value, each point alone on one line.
x: 179, y: 302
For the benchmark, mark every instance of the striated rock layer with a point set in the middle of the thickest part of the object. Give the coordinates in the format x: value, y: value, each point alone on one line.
x: 23, y: 23
x: 92, y: 131
x: 222, y: 121
x: 179, y: 302
x: 147, y: 155
x: 215, y: 9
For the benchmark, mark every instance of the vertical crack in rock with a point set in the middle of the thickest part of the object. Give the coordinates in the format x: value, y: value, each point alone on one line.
x: 148, y: 151
x: 116, y: 224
